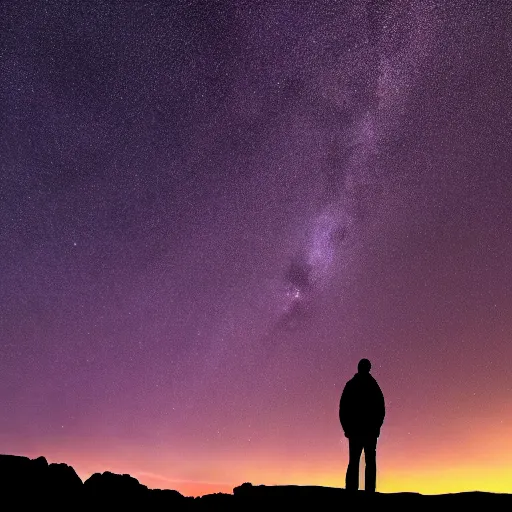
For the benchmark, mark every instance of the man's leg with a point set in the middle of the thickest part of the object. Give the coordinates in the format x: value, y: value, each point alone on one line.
x: 370, y: 471
x: 355, y: 447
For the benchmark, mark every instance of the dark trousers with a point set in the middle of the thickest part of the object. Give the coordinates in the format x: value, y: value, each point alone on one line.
x: 356, y: 445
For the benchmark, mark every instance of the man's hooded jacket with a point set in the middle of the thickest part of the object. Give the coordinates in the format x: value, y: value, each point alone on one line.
x: 362, y: 407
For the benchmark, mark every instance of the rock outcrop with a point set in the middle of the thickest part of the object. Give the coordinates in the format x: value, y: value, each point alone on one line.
x: 113, y: 490
x: 34, y: 480
x: 27, y: 483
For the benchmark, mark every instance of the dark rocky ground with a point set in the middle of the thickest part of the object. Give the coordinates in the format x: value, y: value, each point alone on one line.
x: 27, y: 483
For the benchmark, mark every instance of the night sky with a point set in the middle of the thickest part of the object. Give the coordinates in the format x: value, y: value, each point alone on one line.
x: 211, y: 210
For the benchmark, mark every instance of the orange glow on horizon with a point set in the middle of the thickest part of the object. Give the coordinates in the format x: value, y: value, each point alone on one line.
x: 468, y: 458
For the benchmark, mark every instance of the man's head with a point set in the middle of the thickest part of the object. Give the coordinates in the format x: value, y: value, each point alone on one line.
x: 364, y: 366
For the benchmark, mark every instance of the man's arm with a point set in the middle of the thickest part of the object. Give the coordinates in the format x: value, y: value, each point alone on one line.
x: 382, y: 406
x: 345, y: 407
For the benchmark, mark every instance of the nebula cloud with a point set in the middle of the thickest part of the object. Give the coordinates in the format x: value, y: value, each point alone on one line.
x: 351, y: 167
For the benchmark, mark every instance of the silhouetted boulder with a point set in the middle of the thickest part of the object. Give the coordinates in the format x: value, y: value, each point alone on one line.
x: 63, y: 485
x: 217, y: 502
x: 30, y: 481
x: 61, y: 475
x: 246, y: 487
x: 160, y: 498
x: 113, y: 488
x: 22, y: 478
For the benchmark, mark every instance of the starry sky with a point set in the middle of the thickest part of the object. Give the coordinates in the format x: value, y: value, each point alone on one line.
x: 211, y: 210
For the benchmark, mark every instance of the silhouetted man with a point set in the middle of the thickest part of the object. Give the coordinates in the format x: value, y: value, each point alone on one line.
x: 362, y: 412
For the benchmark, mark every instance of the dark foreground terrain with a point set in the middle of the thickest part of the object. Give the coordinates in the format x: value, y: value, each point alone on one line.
x: 26, y: 483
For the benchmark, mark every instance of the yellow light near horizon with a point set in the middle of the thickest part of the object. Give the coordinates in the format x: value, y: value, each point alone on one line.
x: 449, y: 480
